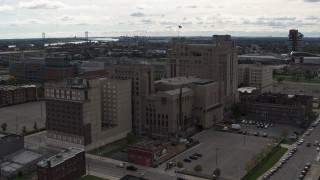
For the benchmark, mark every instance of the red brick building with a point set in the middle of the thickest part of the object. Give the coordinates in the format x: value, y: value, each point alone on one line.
x: 10, y: 95
x: 69, y: 164
x: 146, y: 152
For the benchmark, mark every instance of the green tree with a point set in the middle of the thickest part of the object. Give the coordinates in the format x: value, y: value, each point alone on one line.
x: 197, y: 168
x: 180, y: 165
x: 236, y: 110
x: 284, y: 133
x: 217, y: 173
x: 4, y: 127
x: 35, y: 126
x: 280, y: 79
x: 130, y: 138
x: 12, y: 81
x: 24, y: 130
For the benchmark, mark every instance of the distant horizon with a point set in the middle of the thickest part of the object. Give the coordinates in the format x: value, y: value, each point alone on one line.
x: 190, y: 36
x: 69, y: 18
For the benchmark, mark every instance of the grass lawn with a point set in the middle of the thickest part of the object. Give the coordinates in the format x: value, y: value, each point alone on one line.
x: 268, y: 163
x: 300, y: 79
x: 288, y: 141
x: 90, y: 177
x: 30, y: 176
x: 109, y: 149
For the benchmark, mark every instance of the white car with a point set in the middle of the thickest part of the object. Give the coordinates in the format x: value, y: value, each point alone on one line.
x: 318, y: 149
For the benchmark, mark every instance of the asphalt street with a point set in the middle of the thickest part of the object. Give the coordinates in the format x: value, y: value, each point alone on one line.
x: 295, y: 165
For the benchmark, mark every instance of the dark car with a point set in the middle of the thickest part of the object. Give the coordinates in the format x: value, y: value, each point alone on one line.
x: 308, y: 144
x: 186, y: 160
x: 131, y: 168
x: 180, y: 178
x: 197, y: 154
x: 308, y: 164
x: 193, y: 157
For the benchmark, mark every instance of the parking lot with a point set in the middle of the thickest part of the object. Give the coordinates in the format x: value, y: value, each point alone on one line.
x: 21, y: 115
x: 272, y: 132
x: 227, y: 151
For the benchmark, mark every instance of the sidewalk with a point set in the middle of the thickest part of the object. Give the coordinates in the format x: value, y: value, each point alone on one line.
x: 100, y: 175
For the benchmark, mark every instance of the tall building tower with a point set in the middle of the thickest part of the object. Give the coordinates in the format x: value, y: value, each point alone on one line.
x: 86, y: 113
x: 86, y: 35
x: 142, y: 79
x: 295, y: 41
x: 217, y: 61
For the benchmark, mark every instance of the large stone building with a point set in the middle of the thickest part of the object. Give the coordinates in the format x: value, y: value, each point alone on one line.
x: 54, y: 67
x: 142, y: 80
x: 180, y: 104
x: 216, y: 61
x: 69, y: 164
x: 279, y: 108
x: 86, y: 113
x: 255, y: 75
x: 17, y: 55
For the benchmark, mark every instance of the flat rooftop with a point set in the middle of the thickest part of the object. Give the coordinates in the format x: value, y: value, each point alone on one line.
x: 148, y: 144
x: 61, y: 157
x: 184, y: 80
x: 177, y: 91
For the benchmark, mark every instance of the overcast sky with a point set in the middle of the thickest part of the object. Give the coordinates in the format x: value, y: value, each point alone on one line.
x: 68, y: 18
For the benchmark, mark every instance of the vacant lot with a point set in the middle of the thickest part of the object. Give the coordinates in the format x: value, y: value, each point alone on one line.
x: 21, y: 115
x: 232, y: 152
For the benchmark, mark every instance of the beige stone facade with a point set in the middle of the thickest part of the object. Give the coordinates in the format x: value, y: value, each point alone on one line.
x: 142, y: 79
x: 79, y: 112
x: 201, y: 104
x: 256, y: 75
x: 216, y: 61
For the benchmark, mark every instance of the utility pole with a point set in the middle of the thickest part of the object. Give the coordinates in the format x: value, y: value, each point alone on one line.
x: 217, y: 149
x: 16, y: 125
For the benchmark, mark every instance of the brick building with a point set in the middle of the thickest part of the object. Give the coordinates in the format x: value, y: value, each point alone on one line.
x: 146, y: 152
x: 69, y: 164
x: 10, y: 95
x: 279, y: 108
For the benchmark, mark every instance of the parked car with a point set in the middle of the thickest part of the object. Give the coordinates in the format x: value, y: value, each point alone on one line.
x: 131, y: 168
x: 316, y: 143
x: 308, y: 144
x: 225, y: 129
x: 265, y: 135
x: 197, y: 154
x: 121, y: 165
x: 235, y: 126
x: 318, y: 148
x: 193, y: 157
x: 186, y: 160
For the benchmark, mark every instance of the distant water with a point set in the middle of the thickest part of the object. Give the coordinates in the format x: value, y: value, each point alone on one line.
x: 106, y: 39
x: 94, y: 40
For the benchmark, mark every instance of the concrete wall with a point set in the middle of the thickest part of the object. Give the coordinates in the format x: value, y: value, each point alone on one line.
x: 10, y: 144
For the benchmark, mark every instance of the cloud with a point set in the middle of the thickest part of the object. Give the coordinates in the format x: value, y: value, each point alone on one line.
x: 284, y: 18
x: 42, y: 4
x: 5, y: 7
x: 138, y: 14
x: 312, y: 18
x: 192, y: 6
x: 311, y: 1
x: 65, y: 18
x: 146, y: 21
